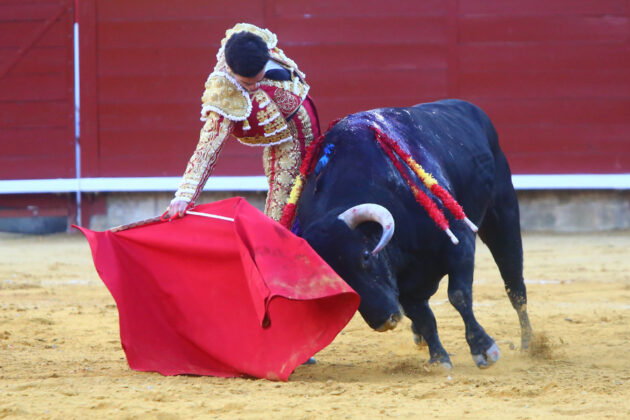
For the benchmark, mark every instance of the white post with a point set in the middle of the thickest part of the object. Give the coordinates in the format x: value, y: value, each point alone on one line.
x: 77, y: 125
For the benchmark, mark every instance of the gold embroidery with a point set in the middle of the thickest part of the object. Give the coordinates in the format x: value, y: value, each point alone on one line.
x: 203, y: 160
x: 277, y: 138
x: 222, y: 96
x: 285, y: 101
x: 307, y: 127
x: 299, y: 88
x: 293, y: 129
x: 267, y: 114
x: 282, y: 164
x: 260, y: 97
x: 271, y: 119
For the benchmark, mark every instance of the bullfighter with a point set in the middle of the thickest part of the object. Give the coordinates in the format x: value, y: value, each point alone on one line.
x: 258, y: 95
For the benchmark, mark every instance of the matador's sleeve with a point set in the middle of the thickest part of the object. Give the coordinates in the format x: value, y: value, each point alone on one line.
x: 211, y: 139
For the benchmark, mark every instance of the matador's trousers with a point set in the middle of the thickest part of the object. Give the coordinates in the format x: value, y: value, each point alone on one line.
x: 282, y: 162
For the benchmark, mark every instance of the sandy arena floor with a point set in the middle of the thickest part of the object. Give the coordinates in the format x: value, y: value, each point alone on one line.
x: 60, y: 354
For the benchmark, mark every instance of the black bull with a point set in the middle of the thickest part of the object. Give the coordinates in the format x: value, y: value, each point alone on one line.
x: 455, y: 142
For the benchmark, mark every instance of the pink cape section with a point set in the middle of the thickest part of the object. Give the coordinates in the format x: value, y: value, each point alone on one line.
x: 212, y: 297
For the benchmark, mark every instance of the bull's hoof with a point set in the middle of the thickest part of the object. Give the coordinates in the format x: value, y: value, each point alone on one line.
x: 443, y: 361
x: 390, y: 324
x: 488, y: 358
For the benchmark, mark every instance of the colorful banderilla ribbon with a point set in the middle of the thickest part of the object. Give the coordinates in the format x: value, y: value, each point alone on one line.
x: 306, y: 168
x: 391, y: 149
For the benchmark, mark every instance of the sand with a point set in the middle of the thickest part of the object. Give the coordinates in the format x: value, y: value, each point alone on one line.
x: 60, y: 354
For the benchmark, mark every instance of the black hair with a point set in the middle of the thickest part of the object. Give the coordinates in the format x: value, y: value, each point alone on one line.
x: 246, y: 54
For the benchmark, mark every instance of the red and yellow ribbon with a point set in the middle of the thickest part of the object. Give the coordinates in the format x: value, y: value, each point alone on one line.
x: 390, y: 147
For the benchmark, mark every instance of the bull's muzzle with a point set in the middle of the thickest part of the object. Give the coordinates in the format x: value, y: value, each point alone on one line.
x: 391, y: 323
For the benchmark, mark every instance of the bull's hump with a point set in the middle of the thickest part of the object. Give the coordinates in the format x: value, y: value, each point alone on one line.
x: 379, y: 115
x: 397, y: 123
x: 388, y: 120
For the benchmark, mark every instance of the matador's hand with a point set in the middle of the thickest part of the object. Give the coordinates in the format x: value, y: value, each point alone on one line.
x: 177, y: 208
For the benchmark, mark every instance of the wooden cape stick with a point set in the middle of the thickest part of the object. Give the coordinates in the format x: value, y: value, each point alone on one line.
x: 159, y: 218
x: 211, y: 216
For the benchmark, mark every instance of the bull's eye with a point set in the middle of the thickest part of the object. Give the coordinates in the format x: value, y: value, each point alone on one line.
x: 366, y: 256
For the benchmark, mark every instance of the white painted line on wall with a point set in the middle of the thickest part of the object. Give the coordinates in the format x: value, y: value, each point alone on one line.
x: 64, y: 185
x: 572, y: 181
x: 259, y: 183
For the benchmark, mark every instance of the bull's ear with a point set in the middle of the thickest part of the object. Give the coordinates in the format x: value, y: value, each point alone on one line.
x: 370, y: 212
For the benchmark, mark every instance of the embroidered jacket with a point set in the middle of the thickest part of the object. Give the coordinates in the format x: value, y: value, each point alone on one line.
x: 255, y: 119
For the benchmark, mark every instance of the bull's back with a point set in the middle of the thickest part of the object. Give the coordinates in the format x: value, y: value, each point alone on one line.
x: 454, y: 128
x: 445, y: 129
x: 450, y: 139
x: 456, y: 142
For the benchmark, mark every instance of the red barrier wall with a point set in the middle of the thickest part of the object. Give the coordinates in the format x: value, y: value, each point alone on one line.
x: 553, y: 76
x: 36, y: 89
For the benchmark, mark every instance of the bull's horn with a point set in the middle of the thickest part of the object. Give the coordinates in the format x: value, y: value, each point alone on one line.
x: 371, y: 212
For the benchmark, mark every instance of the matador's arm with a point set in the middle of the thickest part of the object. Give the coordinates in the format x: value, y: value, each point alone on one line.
x: 211, y: 139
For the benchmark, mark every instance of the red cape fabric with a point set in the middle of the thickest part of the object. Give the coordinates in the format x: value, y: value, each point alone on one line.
x: 213, y: 297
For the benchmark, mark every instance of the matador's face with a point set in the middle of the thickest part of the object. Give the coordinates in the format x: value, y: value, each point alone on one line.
x: 250, y: 83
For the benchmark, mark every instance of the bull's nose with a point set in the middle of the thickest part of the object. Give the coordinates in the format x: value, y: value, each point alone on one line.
x: 391, y: 323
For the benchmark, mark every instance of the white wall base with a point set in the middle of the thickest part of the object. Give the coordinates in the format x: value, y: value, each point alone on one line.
x: 259, y: 183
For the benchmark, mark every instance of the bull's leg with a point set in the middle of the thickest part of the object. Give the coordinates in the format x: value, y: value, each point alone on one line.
x: 417, y: 337
x: 423, y: 324
x: 461, y: 265
x: 501, y: 232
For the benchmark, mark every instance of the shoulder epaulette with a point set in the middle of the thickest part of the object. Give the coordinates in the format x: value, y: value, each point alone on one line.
x: 225, y: 96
